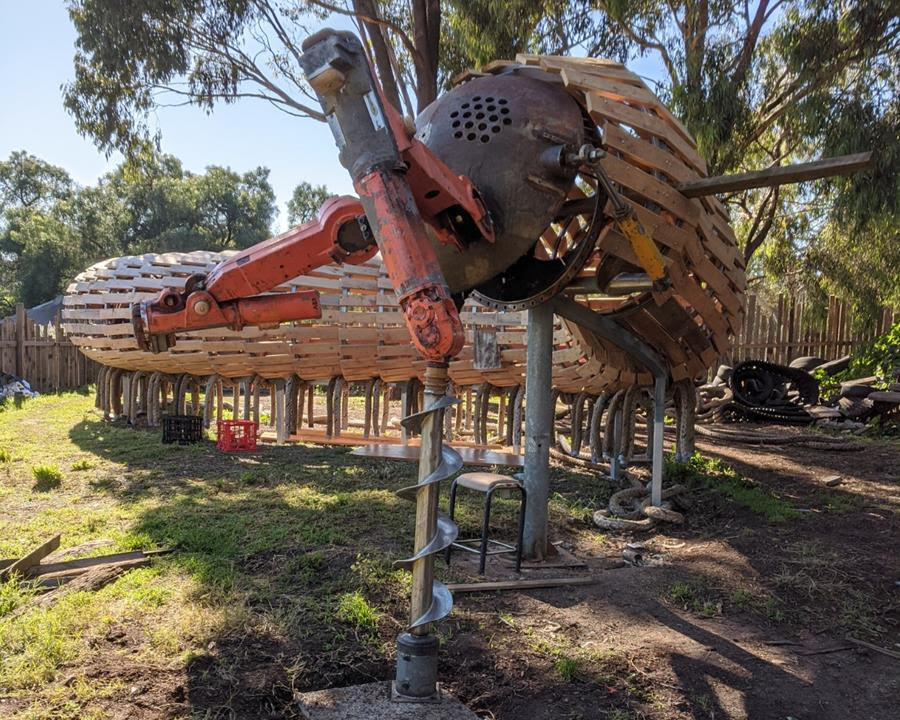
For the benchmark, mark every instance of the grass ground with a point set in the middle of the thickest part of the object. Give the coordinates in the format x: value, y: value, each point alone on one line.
x: 281, y: 580
x: 293, y: 543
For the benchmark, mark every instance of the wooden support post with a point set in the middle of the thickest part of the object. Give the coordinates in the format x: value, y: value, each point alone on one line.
x: 828, y: 167
x: 279, y: 411
x: 21, y: 319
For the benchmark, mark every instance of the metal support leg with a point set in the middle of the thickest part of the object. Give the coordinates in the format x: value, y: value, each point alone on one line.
x: 451, y: 513
x: 523, y: 505
x: 485, y: 529
x: 538, y: 423
x: 659, y: 412
x: 616, y: 461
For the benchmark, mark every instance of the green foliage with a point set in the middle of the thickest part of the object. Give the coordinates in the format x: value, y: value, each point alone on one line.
x: 28, y: 182
x: 758, y: 603
x: 30, y: 187
x: 718, y: 476
x: 5, y: 455
x: 353, y: 608
x: 80, y: 465
x: 475, y: 32
x: 879, y: 357
x: 14, y: 592
x: 46, y: 477
x: 200, y: 51
x: 51, y: 230
x: 567, y: 668
x: 695, y: 597
x: 305, y: 202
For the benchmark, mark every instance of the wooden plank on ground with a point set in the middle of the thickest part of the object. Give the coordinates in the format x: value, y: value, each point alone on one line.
x: 25, y: 563
x: 89, y: 562
x: 492, y: 586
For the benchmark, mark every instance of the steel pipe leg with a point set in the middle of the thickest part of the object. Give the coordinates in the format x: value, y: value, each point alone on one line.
x: 659, y: 413
x: 485, y: 528
x: 538, y: 427
x: 522, y: 507
x: 451, y: 512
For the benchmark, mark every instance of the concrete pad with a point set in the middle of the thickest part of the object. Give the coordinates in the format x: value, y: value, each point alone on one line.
x: 373, y: 700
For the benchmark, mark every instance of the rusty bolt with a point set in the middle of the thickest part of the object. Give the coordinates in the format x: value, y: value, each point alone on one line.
x: 201, y: 307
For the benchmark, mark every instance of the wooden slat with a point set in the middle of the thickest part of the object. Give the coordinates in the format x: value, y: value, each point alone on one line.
x: 26, y: 562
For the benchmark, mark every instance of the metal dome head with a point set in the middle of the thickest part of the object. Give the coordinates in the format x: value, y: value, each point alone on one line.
x: 507, y: 133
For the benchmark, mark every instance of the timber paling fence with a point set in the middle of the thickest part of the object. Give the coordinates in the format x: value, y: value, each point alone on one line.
x: 43, y: 354
x: 784, y: 329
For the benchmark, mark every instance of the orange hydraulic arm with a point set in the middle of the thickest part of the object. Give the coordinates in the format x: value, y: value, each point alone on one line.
x: 230, y: 295
x: 402, y: 186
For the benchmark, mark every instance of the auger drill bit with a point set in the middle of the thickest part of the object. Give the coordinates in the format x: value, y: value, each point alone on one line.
x: 431, y: 600
x: 370, y: 148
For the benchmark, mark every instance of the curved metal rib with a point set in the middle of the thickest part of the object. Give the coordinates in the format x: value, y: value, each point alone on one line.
x: 414, y: 422
x: 447, y: 532
x: 450, y: 464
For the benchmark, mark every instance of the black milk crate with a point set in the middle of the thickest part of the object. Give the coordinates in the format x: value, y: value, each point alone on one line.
x: 183, y: 429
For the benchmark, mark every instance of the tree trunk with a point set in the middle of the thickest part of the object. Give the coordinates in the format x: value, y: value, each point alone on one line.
x: 426, y: 37
x: 367, y: 8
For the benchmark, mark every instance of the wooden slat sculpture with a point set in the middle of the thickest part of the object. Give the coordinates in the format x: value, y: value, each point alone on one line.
x: 650, y: 152
x: 362, y: 336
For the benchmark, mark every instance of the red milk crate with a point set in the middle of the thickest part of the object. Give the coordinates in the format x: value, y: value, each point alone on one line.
x: 236, y: 435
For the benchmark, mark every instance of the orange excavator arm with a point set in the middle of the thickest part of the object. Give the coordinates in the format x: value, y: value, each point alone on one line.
x: 231, y: 295
x: 402, y: 187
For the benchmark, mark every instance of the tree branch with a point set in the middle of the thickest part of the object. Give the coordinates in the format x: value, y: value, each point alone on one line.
x: 741, y: 62
x: 761, y: 227
x: 404, y: 38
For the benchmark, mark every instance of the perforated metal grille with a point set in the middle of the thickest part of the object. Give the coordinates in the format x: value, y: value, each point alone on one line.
x: 479, y: 119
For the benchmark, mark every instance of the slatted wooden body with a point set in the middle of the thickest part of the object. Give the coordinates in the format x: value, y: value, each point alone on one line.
x: 361, y: 334
x: 649, y: 153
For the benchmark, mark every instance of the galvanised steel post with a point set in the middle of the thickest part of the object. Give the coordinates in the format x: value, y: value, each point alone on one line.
x: 659, y: 412
x: 538, y: 423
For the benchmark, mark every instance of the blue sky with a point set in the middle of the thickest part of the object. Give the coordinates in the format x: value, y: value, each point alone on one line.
x: 37, y: 43
x: 36, y: 49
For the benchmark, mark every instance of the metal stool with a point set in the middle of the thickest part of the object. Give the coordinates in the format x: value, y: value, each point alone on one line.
x: 488, y: 483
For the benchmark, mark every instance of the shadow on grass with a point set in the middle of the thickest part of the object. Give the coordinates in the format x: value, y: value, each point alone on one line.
x: 286, y: 535
x: 280, y: 535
